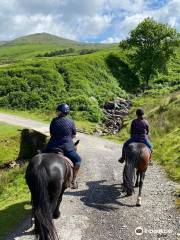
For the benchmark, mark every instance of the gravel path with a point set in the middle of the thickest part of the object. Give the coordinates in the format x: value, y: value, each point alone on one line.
x: 97, y: 210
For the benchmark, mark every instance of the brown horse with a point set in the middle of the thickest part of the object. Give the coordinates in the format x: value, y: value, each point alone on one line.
x: 137, y: 156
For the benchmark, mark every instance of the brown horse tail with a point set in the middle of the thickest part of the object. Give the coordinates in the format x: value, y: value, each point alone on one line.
x: 37, y: 180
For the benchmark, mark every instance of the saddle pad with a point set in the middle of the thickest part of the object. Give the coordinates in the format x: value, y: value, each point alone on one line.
x: 69, y: 162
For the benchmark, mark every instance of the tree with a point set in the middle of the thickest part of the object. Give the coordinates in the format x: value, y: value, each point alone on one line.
x: 153, y: 44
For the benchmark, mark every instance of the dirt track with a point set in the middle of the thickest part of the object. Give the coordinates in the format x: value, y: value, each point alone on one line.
x: 97, y: 210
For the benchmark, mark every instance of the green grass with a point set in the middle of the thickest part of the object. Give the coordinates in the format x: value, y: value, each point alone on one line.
x: 14, y: 194
x: 14, y: 199
x: 9, y: 142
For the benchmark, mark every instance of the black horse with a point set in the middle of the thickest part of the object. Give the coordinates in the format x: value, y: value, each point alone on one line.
x: 47, y: 175
x: 137, y: 156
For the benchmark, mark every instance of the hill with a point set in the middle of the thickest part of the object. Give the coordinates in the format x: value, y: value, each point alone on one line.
x: 84, y: 81
x: 3, y: 42
x: 42, y: 38
x: 32, y: 45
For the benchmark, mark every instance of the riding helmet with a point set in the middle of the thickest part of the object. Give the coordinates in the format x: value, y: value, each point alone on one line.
x: 64, y: 108
x: 139, y: 112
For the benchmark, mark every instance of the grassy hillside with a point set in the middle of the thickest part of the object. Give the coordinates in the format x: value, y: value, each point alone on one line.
x: 42, y: 38
x: 172, y: 77
x: 3, y: 42
x: 85, y: 82
x: 41, y: 43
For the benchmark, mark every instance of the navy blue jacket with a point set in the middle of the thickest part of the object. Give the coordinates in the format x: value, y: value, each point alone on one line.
x: 62, y: 131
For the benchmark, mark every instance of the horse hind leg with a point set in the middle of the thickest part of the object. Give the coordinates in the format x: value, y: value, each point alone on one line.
x: 137, y: 179
x: 55, y: 189
x: 57, y: 213
x: 139, y: 200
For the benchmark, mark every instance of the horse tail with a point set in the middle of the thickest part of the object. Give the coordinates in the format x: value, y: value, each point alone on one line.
x: 129, y: 172
x: 37, y: 180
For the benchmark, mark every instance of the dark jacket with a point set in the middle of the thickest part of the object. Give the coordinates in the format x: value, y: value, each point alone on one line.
x: 62, y: 131
x: 140, y: 129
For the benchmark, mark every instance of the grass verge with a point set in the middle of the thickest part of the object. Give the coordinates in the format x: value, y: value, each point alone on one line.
x: 14, y: 193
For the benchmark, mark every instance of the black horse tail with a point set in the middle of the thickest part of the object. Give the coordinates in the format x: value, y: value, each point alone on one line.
x: 129, y: 171
x: 37, y: 180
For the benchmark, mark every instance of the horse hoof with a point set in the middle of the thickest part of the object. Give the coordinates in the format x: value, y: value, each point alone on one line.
x: 129, y: 194
x: 138, y: 203
x: 74, y: 185
x: 56, y: 214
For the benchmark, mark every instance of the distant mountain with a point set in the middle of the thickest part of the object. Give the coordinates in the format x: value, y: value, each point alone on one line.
x: 3, y: 42
x: 42, y: 38
x: 40, y: 43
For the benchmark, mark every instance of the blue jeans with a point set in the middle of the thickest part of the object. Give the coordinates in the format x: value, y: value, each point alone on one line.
x: 133, y: 139
x: 74, y: 157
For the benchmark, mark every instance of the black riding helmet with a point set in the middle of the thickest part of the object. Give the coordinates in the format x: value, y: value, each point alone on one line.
x: 64, y: 108
x: 139, y: 112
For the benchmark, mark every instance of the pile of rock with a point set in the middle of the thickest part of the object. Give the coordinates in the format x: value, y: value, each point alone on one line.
x: 115, y: 111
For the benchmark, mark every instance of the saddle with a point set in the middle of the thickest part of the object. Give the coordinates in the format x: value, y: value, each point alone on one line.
x: 68, y: 162
x: 69, y: 165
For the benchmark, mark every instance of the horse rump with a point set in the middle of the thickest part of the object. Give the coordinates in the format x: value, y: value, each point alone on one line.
x: 136, y: 157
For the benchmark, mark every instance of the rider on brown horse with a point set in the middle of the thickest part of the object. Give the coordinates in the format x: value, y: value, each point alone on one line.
x: 139, y: 133
x: 62, y: 131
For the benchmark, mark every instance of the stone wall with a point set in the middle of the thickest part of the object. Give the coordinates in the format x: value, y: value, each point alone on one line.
x: 31, y: 142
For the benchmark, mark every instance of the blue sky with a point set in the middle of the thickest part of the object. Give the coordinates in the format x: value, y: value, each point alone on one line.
x: 83, y: 20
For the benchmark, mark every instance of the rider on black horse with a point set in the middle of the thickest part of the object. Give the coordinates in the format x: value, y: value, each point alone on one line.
x: 62, y: 131
x: 139, y: 133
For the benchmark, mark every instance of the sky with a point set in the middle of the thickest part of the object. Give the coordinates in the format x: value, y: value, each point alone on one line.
x: 104, y: 21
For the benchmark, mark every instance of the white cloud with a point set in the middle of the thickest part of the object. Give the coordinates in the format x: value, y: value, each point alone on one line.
x: 93, y: 25
x: 41, y: 23
x: 83, y: 19
x: 129, y: 23
x: 111, y: 40
x: 127, y: 5
x: 86, y: 8
x: 169, y: 13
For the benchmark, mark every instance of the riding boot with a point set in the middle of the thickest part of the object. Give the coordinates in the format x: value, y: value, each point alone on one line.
x: 74, y: 184
x: 122, y: 159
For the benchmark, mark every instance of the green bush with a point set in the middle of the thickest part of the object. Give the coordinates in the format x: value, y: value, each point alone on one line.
x: 85, y: 108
